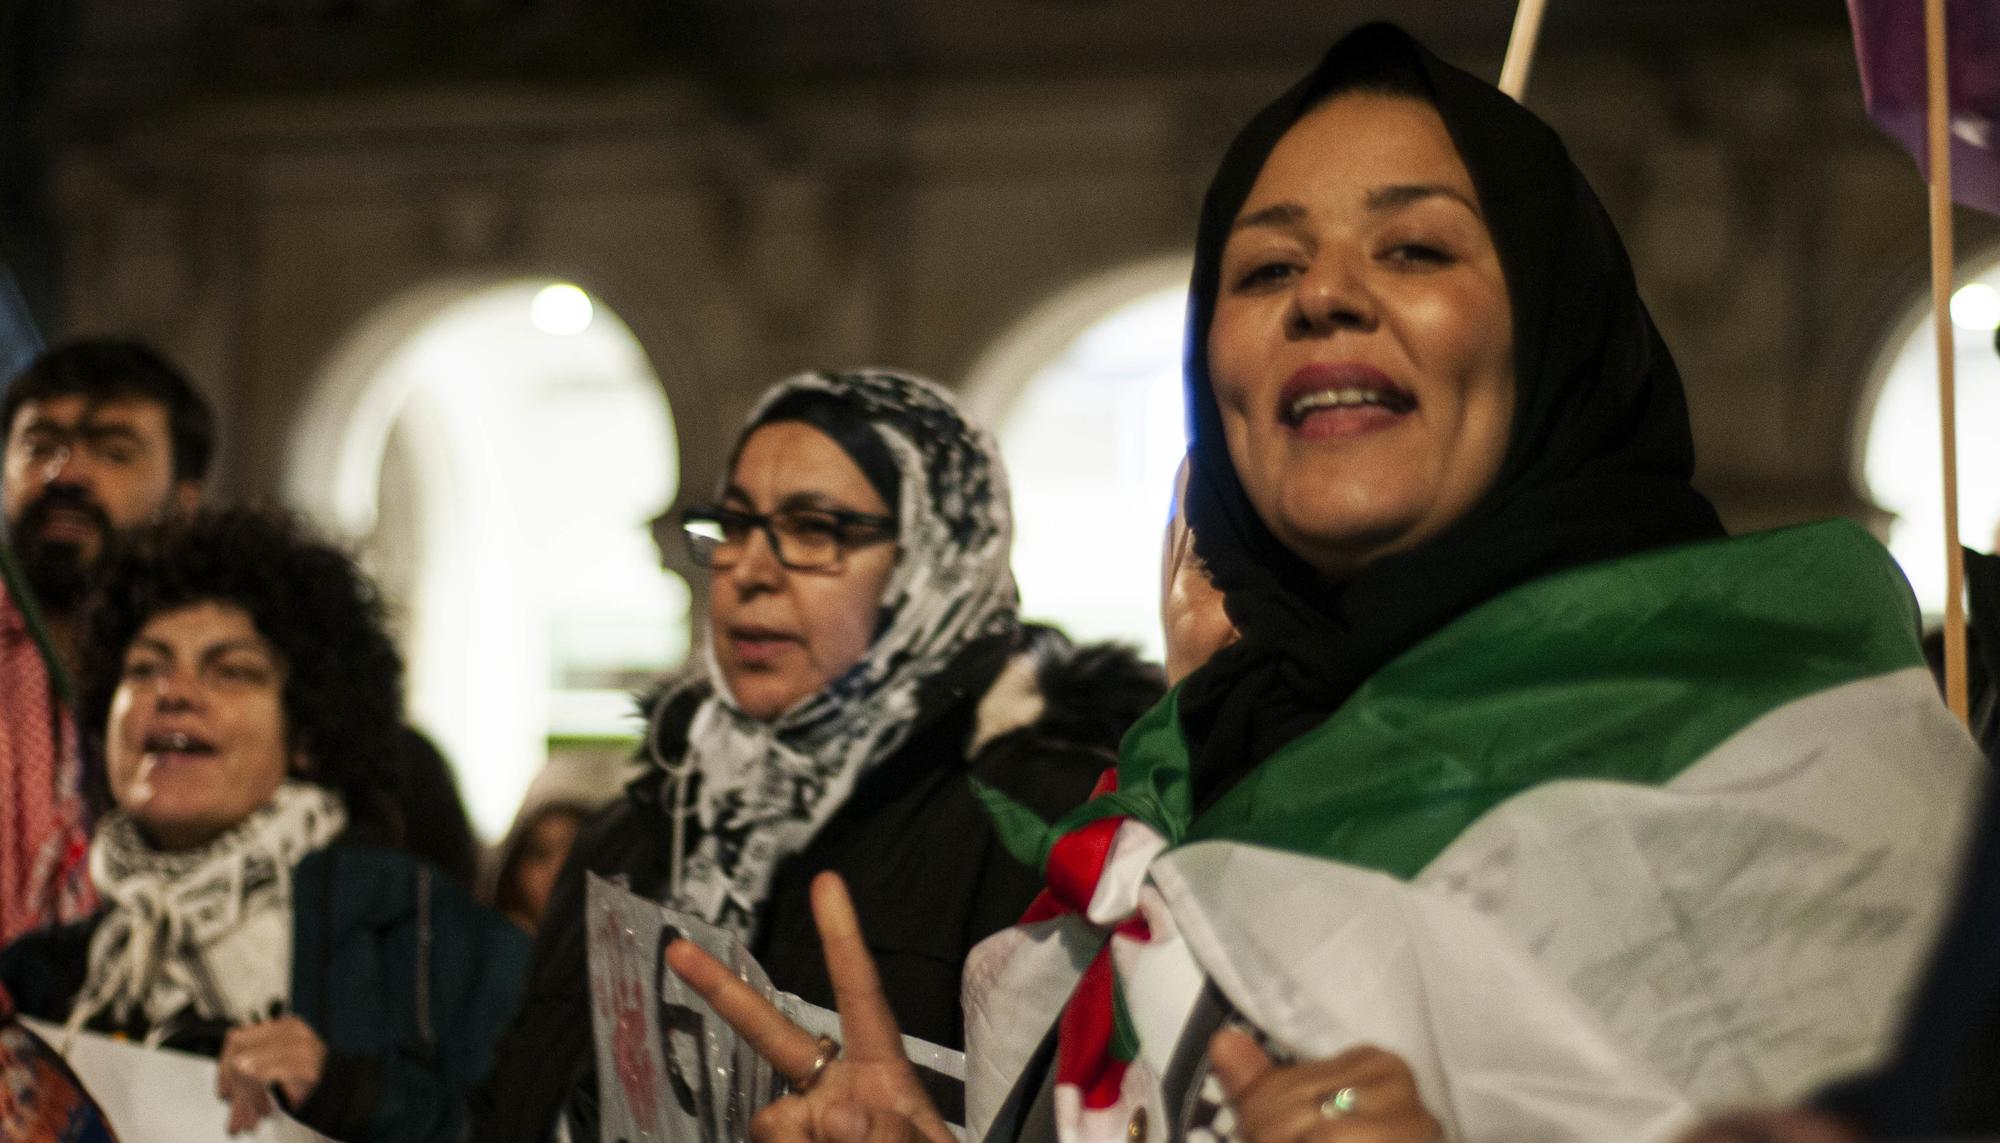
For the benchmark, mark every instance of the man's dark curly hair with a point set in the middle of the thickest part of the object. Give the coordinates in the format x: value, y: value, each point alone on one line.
x: 343, y: 678
x: 108, y: 369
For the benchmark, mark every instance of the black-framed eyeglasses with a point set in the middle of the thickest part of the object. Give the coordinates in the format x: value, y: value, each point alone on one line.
x: 804, y: 539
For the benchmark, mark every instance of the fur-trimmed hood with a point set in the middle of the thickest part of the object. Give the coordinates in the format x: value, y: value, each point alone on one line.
x: 1056, y: 689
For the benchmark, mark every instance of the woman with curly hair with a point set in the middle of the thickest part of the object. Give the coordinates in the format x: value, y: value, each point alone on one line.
x: 248, y: 703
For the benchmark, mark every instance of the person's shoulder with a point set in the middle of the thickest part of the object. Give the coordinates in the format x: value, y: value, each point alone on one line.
x: 43, y: 969
x: 1746, y: 598
x: 1060, y: 691
x: 379, y: 887
x: 1052, y: 719
x: 53, y: 936
x: 667, y: 708
x: 668, y: 705
x: 629, y: 840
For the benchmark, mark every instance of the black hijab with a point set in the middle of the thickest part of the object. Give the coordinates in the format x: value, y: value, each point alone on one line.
x: 1598, y: 462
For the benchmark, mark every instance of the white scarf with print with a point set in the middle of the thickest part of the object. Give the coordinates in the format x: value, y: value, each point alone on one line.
x: 203, y: 933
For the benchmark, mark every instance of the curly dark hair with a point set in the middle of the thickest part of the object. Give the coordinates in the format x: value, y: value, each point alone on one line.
x: 343, y: 678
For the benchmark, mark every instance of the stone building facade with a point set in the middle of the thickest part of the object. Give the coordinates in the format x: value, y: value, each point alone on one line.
x: 282, y: 192
x: 270, y: 189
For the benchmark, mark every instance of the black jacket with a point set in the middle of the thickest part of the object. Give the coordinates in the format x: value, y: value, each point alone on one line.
x: 1942, y: 1081
x: 915, y: 846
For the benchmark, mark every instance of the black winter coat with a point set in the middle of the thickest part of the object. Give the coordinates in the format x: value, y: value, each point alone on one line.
x: 928, y: 874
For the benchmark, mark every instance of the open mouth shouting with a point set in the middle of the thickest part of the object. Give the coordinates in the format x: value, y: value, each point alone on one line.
x: 175, y: 746
x: 1342, y: 400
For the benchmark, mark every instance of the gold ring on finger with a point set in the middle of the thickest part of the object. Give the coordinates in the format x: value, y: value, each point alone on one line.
x: 829, y: 1051
x: 1338, y: 1103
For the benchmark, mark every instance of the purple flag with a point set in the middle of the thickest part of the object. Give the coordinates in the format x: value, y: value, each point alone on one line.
x: 1889, y: 41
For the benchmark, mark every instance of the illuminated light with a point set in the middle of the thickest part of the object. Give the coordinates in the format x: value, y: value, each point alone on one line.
x: 1976, y: 307
x: 561, y: 310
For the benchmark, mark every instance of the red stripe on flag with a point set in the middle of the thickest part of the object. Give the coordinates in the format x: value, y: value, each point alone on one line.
x: 1077, y: 861
x: 1083, y: 1043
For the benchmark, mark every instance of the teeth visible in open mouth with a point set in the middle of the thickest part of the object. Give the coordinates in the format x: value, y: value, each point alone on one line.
x: 176, y: 742
x: 1349, y: 398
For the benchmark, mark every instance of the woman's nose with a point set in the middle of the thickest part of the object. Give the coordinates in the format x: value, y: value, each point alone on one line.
x: 1332, y: 295
x: 758, y: 566
x: 175, y: 690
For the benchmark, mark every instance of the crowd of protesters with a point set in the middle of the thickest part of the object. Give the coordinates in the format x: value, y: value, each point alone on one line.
x: 1490, y: 791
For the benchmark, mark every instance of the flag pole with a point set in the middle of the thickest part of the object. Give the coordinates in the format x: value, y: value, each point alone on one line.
x: 1939, y: 114
x: 1521, y: 48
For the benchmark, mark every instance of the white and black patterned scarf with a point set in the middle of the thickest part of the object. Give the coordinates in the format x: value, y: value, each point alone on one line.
x: 203, y: 933
x: 767, y: 787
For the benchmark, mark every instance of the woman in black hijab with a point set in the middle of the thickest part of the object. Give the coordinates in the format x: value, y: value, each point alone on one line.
x: 1519, y: 769
x: 1597, y: 463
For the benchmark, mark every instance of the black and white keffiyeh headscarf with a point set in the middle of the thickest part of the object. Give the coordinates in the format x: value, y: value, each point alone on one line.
x: 767, y: 787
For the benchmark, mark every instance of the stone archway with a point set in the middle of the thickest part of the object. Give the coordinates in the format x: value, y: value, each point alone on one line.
x: 1897, y: 447
x: 497, y: 477
x: 1084, y: 395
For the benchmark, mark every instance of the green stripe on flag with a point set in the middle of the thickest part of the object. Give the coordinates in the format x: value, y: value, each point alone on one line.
x: 1029, y: 839
x: 1022, y: 831
x: 1629, y: 670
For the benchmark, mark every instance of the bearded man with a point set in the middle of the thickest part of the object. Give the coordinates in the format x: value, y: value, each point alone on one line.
x: 104, y: 437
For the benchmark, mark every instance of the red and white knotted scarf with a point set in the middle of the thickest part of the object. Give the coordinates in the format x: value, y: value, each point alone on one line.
x: 1098, y: 871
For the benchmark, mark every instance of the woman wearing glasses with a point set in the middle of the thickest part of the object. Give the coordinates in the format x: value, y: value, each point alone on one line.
x: 864, y: 661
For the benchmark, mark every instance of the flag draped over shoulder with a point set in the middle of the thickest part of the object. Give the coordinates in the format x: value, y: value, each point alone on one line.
x: 1889, y: 43
x: 1638, y: 839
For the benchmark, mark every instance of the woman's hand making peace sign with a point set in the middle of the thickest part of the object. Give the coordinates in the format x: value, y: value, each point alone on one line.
x: 867, y: 1092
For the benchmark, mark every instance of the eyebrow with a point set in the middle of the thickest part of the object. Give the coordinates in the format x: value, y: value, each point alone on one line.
x: 1403, y: 194
x: 1385, y: 198
x: 814, y: 500
x: 253, y: 646
x: 793, y: 502
x: 87, y: 429
x: 110, y: 432
x: 1277, y: 214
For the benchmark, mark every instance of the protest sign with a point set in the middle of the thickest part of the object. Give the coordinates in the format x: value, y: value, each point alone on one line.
x: 156, y: 1095
x: 669, y: 1070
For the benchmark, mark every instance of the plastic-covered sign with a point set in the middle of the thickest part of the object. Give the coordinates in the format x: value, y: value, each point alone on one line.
x: 669, y: 1070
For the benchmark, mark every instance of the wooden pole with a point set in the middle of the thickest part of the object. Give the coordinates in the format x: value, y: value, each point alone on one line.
x: 1941, y: 277
x: 1521, y: 48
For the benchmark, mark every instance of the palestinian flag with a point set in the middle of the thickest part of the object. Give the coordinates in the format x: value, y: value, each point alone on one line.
x: 1630, y: 842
